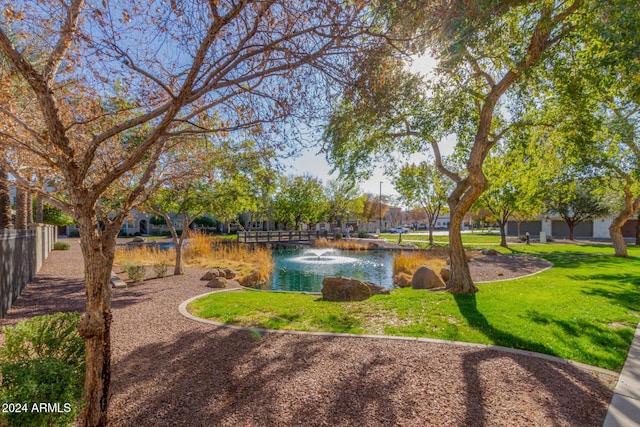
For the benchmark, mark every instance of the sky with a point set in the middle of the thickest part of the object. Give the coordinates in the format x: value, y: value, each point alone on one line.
x: 316, y: 164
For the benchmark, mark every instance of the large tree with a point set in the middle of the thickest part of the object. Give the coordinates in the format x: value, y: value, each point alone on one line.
x: 183, y: 201
x: 482, y: 49
x: 241, y: 64
x: 592, y: 96
x: 300, y: 199
x: 343, y: 200
x: 574, y: 197
x: 424, y: 186
x: 514, y: 172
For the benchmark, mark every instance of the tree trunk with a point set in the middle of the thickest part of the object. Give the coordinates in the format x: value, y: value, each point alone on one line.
x: 39, y: 210
x: 177, y: 241
x: 615, y: 229
x: 95, y: 325
x: 503, y: 234
x: 571, y: 227
x: 21, y: 209
x: 460, y: 281
x: 5, y: 201
x: 178, y: 269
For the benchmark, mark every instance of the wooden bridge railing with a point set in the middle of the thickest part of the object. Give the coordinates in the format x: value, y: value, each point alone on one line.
x: 280, y: 236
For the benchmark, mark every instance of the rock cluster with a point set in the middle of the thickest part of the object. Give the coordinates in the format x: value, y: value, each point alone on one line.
x: 218, y: 277
x: 347, y: 289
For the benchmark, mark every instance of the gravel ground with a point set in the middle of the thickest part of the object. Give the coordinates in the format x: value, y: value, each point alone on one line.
x: 170, y: 371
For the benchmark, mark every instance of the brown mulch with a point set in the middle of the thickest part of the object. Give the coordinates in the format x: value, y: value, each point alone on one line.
x: 487, y: 268
x: 171, y: 371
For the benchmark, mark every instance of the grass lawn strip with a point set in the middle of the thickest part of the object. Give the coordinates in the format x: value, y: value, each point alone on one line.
x: 584, y: 309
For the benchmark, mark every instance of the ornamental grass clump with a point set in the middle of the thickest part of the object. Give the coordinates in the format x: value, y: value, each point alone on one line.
x: 341, y: 244
x: 409, y: 262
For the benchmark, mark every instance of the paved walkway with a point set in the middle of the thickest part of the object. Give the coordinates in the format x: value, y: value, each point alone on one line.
x: 170, y: 371
x: 624, y: 410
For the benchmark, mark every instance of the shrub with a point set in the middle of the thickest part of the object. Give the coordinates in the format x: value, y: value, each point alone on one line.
x: 61, y: 246
x: 43, y: 361
x: 160, y: 270
x: 135, y: 271
x: 74, y: 233
x: 51, y: 336
x: 363, y: 235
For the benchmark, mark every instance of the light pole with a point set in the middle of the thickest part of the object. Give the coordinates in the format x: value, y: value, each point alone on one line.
x: 380, y: 219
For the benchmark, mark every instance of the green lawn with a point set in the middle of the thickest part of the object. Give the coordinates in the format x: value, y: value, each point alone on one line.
x: 584, y: 309
x: 469, y: 239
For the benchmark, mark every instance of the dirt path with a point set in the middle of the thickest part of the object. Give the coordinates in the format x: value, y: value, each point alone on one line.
x: 170, y: 371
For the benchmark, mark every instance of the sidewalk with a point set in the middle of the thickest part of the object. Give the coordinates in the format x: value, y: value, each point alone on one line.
x: 624, y: 410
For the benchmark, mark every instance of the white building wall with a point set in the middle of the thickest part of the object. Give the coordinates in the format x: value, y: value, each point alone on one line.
x: 601, y: 228
x: 546, y: 226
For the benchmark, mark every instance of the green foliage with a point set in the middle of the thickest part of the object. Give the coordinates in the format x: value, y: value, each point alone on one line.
x: 157, y: 220
x: 160, y: 270
x: 574, y: 197
x: 61, y: 246
x: 343, y: 199
x: 300, y: 199
x: 424, y: 187
x: 43, y: 361
x: 36, y: 381
x: 55, y: 216
x: 51, y: 336
x: 205, y: 221
x: 135, y: 271
x: 583, y: 309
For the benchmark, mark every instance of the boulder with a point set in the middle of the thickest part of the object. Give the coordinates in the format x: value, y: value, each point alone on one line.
x: 212, y: 274
x: 344, y: 289
x: 377, y: 289
x: 138, y: 239
x: 491, y: 252
x: 229, y: 273
x: 217, y: 282
x: 402, y: 280
x: 251, y: 279
x: 426, y: 278
x: 445, y: 273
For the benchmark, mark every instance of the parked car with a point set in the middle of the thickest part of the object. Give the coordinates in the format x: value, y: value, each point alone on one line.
x: 399, y: 230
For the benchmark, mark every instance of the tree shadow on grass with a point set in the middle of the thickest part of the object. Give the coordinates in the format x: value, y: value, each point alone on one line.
x: 476, y: 415
x: 621, y: 288
x: 616, y: 341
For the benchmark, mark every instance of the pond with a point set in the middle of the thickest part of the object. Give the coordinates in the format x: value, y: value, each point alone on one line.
x: 303, y: 270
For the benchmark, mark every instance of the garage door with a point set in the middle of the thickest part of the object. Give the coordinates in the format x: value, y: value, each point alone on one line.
x: 532, y: 227
x: 561, y: 229
x: 629, y: 228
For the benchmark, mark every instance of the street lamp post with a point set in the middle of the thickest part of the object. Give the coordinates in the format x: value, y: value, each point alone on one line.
x: 380, y: 217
